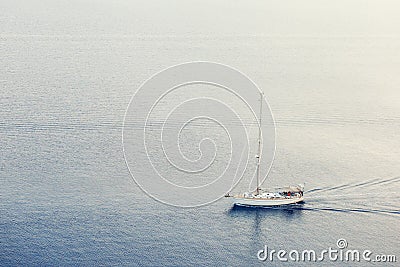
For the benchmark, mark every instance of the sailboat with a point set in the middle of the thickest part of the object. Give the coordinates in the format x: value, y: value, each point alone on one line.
x: 268, y: 197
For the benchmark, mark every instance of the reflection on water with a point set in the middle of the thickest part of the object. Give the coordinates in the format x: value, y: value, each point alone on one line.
x: 288, y: 212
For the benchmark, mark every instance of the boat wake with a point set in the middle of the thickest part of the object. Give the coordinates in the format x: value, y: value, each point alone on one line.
x: 376, y: 197
x: 310, y: 207
x: 371, y: 182
x: 389, y: 212
x: 372, y: 196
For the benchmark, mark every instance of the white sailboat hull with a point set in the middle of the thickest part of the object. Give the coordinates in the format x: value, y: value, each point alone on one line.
x: 264, y: 202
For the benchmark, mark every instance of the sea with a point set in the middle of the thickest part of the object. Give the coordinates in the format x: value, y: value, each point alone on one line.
x: 69, y: 69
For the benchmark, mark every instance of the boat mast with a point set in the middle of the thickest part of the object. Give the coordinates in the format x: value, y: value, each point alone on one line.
x: 259, y: 147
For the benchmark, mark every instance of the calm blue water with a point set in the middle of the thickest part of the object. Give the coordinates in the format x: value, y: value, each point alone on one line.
x: 68, y: 71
